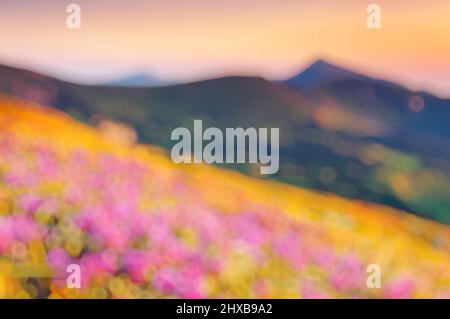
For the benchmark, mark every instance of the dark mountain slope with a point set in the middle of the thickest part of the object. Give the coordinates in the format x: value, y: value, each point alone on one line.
x: 350, y: 136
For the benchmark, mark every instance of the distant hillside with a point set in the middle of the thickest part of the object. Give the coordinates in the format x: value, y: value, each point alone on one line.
x: 136, y: 80
x: 412, y: 113
x: 350, y: 135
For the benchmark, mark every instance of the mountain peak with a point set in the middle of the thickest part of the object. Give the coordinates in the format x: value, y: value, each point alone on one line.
x: 321, y: 64
x: 321, y: 73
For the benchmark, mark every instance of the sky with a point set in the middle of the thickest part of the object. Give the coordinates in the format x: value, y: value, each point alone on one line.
x: 185, y: 40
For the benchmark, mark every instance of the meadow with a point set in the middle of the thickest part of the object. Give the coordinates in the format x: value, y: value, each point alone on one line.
x: 141, y: 226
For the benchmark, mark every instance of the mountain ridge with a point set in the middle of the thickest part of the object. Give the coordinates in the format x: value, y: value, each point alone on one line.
x: 322, y: 72
x: 337, y: 127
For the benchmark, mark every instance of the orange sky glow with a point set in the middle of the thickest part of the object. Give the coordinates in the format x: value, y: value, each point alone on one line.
x: 193, y: 39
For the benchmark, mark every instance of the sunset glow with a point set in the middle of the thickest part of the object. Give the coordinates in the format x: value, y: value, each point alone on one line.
x: 188, y: 40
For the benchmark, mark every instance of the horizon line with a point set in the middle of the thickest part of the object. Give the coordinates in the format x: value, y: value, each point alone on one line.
x: 209, y: 77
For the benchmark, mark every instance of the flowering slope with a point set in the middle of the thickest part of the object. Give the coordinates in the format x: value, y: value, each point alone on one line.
x: 140, y: 226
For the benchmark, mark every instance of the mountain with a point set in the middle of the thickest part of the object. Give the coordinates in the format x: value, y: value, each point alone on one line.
x: 136, y: 80
x: 417, y: 119
x: 354, y: 136
x: 321, y: 73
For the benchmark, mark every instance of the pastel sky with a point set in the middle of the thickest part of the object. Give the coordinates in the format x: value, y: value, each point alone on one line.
x: 186, y: 40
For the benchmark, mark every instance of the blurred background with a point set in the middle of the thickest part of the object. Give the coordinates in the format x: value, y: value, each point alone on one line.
x: 85, y: 122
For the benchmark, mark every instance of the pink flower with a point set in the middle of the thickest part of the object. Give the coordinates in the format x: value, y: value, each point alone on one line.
x: 348, y: 274
x: 248, y: 227
x: 399, y: 289
x: 309, y: 290
x: 287, y: 246
x: 184, y: 283
x: 30, y: 203
x: 58, y: 260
